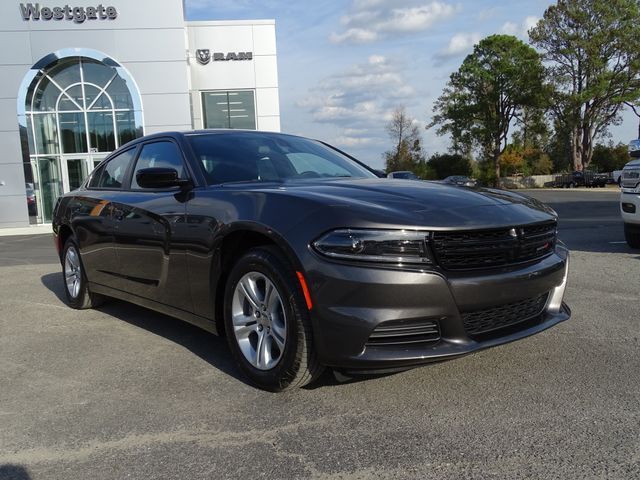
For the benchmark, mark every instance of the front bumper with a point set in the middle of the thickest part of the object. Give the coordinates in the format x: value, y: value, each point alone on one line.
x: 351, y: 301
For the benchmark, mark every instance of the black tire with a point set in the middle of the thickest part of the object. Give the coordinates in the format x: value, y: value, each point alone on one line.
x: 632, y: 235
x: 78, y: 297
x: 572, y: 185
x: 297, y: 363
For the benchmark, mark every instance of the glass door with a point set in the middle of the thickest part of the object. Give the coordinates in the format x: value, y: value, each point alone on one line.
x: 76, y: 172
x: 48, y: 186
x: 76, y: 168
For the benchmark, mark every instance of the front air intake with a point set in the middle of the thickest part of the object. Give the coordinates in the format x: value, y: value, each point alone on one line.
x: 402, y: 332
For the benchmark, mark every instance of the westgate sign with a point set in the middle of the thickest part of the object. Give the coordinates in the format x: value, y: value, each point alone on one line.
x: 32, y: 11
x: 203, y: 55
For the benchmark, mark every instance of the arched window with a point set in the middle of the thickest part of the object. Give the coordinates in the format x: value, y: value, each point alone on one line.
x: 80, y: 105
x: 74, y: 107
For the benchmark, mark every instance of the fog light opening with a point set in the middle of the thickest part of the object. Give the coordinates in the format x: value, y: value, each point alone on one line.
x: 557, y: 294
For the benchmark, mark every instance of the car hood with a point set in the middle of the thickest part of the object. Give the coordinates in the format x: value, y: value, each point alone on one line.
x: 419, y: 202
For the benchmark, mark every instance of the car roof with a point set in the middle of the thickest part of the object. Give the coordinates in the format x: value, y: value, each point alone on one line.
x: 210, y: 131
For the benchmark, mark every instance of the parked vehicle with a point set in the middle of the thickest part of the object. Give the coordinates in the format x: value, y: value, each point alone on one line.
x: 31, y: 201
x: 460, y: 181
x: 630, y: 202
x: 581, y: 179
x: 304, y: 258
x: 634, y: 148
x: 616, y: 177
x: 404, y: 175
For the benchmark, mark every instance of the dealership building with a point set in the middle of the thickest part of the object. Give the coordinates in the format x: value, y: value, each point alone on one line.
x: 78, y: 80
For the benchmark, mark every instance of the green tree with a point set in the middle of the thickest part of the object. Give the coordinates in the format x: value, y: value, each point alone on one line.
x: 541, y: 165
x: 559, y: 147
x: 533, y: 129
x: 607, y: 158
x: 488, y: 93
x: 407, y: 152
x: 445, y: 165
x: 592, y: 48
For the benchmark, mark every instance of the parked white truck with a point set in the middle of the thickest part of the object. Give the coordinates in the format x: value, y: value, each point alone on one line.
x: 630, y: 202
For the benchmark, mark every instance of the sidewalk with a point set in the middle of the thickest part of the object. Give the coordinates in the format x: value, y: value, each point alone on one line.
x: 30, y: 230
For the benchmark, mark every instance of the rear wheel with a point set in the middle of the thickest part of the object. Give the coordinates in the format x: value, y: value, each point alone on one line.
x: 267, y: 322
x: 632, y: 235
x: 75, y: 279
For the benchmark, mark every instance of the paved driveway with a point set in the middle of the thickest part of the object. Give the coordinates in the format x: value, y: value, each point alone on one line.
x: 123, y: 392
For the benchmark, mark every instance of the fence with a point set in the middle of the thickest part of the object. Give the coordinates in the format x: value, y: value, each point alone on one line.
x: 533, y: 181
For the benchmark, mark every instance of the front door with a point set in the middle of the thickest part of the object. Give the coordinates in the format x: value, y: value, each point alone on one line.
x: 149, y: 228
x: 75, y: 168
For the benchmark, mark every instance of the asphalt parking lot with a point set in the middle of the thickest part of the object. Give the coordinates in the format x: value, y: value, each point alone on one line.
x: 123, y: 392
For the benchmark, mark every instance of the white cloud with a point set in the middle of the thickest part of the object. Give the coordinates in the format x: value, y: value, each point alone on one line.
x: 348, y: 141
x: 460, y: 43
x: 529, y: 23
x: 354, y: 35
x: 520, y: 30
x: 371, y: 20
x: 359, y: 102
x: 509, y: 28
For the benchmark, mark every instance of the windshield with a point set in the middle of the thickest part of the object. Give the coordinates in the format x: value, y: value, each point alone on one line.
x: 268, y: 157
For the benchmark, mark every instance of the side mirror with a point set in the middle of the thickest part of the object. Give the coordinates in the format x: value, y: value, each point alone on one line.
x: 160, y: 178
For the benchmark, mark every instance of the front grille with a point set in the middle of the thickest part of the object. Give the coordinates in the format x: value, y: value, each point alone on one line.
x: 466, y: 250
x: 630, y: 178
x: 399, y: 332
x: 495, y: 318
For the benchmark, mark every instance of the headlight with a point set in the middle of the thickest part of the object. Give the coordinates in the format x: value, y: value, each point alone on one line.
x: 385, y: 246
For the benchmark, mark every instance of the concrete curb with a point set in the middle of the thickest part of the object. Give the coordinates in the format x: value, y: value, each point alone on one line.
x: 580, y: 189
x: 31, y: 230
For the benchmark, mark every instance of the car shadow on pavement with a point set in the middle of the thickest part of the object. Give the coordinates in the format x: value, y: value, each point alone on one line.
x: 53, y: 282
x: 211, y: 348
x: 9, y: 471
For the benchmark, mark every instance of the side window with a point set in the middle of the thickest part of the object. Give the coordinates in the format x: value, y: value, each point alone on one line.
x: 115, y: 169
x: 163, y: 154
x: 95, y: 176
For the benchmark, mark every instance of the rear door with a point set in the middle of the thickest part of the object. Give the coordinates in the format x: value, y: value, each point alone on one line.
x: 92, y: 220
x: 148, y: 231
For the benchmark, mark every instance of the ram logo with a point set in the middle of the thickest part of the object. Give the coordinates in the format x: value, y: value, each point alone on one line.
x: 203, y: 55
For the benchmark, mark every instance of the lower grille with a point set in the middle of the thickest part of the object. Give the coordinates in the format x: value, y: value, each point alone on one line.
x: 399, y: 332
x: 495, y: 318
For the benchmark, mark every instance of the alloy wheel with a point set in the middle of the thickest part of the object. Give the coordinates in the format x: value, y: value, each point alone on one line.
x: 72, y: 272
x: 259, y: 320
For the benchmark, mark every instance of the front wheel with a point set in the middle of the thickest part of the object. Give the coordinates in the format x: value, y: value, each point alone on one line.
x: 267, y: 322
x: 632, y: 235
x: 75, y: 279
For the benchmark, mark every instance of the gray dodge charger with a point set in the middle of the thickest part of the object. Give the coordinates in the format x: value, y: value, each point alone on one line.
x: 304, y: 259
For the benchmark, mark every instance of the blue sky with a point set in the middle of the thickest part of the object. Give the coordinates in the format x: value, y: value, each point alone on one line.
x: 344, y: 66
